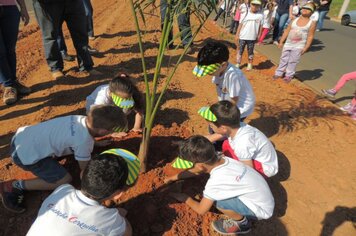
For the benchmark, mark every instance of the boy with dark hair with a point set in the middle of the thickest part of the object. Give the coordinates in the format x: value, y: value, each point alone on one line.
x: 33, y: 148
x: 68, y: 211
x: 231, y: 84
x: 240, y: 192
x: 245, y: 143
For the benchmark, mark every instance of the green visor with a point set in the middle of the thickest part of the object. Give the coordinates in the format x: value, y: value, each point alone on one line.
x: 207, y: 114
x: 202, y: 70
x: 133, y: 163
x: 123, y: 103
x: 180, y: 163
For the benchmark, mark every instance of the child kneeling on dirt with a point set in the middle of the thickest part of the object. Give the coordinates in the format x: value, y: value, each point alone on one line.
x: 122, y: 93
x: 89, y: 211
x: 299, y: 36
x: 231, y: 84
x: 245, y: 143
x: 33, y: 148
x: 239, y: 191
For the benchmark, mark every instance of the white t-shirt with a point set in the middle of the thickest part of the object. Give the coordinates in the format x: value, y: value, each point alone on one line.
x: 251, y: 144
x: 68, y: 212
x: 267, y: 19
x: 315, y: 16
x: 243, y: 11
x: 234, y: 179
x: 250, y: 25
x: 233, y: 83
x: 99, y: 96
x: 57, y: 137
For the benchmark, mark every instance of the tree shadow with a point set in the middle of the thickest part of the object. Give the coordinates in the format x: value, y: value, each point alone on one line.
x: 340, y: 99
x: 300, y: 112
x: 337, y: 217
x: 305, y: 75
x: 124, y: 34
x: 264, y: 65
x: 327, y: 29
x: 5, y: 145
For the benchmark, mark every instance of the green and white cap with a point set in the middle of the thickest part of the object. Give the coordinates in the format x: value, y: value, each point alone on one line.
x: 207, y: 114
x: 180, y: 163
x: 124, y: 103
x: 202, y: 70
x: 133, y: 163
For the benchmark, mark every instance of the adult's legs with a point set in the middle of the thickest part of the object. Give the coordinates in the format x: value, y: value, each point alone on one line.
x: 61, y: 42
x: 184, y: 27
x: 89, y: 14
x: 283, y: 62
x: 322, y: 15
x: 292, y: 62
x: 279, y: 25
x: 342, y: 81
x: 163, y: 10
x: 74, y: 15
x: 49, y: 17
x: 9, y: 27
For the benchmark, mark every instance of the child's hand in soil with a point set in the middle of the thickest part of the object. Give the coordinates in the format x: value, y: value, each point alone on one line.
x: 136, y: 130
x: 103, y: 143
x: 118, y: 134
x: 181, y: 197
x: 170, y: 179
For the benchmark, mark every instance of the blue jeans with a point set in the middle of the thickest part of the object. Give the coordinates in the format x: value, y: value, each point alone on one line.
x: 322, y: 15
x: 183, y: 23
x: 280, y: 21
x: 9, y: 29
x: 50, y: 17
x: 236, y: 205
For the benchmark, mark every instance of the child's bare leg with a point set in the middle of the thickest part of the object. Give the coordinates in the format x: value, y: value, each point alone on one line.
x: 40, y: 184
x: 231, y: 214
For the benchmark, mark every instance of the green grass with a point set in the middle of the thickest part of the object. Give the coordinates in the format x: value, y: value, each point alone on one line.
x: 336, y: 6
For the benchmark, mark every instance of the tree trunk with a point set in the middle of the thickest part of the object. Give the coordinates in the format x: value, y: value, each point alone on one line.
x: 143, y: 152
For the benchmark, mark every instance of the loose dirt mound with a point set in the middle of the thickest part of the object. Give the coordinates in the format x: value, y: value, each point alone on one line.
x: 314, y: 191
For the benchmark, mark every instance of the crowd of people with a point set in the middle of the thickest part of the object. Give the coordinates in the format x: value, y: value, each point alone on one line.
x: 238, y: 157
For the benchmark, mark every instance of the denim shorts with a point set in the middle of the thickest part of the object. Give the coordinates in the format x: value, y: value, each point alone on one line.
x: 236, y: 205
x: 47, y: 169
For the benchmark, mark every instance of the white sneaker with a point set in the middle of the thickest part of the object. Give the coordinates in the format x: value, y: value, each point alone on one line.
x: 347, y: 108
x: 275, y: 43
x: 238, y: 65
x: 249, y: 66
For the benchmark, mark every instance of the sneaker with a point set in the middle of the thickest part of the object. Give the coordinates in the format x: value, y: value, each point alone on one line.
x: 329, y: 92
x: 67, y: 57
x: 249, y: 66
x: 92, y: 50
x: 276, y: 77
x: 275, y: 43
x: 287, y: 79
x: 12, y: 198
x: 317, y: 30
x: 57, y: 74
x: 347, y: 108
x: 238, y: 65
x: 10, y: 95
x: 21, y: 89
x: 92, y: 37
x: 231, y: 227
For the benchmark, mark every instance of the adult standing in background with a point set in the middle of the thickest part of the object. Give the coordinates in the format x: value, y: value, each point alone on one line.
x: 323, y: 11
x: 183, y: 24
x: 284, y: 11
x: 9, y: 29
x: 89, y: 14
x: 50, y: 15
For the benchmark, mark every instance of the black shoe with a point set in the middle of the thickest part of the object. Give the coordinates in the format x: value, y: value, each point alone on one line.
x: 67, y: 57
x: 13, y: 200
x: 92, y: 50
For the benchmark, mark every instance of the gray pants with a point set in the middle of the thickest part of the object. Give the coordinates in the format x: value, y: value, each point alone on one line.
x: 288, y: 62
